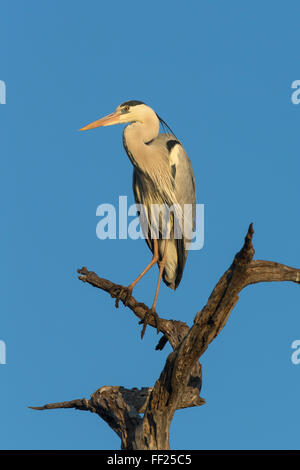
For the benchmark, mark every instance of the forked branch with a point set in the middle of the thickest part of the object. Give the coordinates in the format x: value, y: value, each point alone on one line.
x: 179, y: 384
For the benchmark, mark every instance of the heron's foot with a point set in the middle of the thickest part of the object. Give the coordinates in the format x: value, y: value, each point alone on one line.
x: 146, y: 318
x: 121, y: 293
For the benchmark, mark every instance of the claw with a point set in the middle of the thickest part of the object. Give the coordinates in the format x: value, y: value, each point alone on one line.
x: 118, y: 292
x: 146, y: 320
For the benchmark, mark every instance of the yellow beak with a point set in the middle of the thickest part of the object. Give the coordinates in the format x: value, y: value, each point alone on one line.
x: 109, y: 120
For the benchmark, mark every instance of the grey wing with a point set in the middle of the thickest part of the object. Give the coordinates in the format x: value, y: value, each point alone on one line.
x: 140, y: 191
x: 181, y: 170
x: 185, y: 191
x: 184, y: 181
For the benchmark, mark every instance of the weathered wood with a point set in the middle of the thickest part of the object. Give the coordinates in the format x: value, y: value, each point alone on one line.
x: 180, y: 381
x: 120, y: 408
x: 173, y: 330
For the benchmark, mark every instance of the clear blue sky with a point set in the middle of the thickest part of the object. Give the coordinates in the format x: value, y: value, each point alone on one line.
x: 220, y: 74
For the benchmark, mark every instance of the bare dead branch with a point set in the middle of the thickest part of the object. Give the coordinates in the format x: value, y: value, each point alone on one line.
x: 207, y: 324
x: 179, y: 384
x: 138, y: 398
x: 120, y: 408
x: 79, y: 404
x: 173, y: 330
x: 269, y: 271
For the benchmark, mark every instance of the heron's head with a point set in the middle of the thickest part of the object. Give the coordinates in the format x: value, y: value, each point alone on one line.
x: 130, y: 111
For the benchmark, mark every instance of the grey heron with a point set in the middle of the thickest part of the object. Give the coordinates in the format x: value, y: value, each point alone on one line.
x: 162, y: 176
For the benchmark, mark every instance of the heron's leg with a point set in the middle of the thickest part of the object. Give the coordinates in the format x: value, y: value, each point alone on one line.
x: 152, y: 263
x: 119, y: 290
x: 161, y: 269
x: 152, y: 310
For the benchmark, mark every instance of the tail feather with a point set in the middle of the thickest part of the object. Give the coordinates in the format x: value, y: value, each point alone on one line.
x: 176, y: 258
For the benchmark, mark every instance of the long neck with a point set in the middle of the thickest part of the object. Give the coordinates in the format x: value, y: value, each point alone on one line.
x: 147, y: 158
x: 136, y: 138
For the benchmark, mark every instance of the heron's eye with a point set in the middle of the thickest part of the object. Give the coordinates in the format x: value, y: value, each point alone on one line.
x: 126, y: 108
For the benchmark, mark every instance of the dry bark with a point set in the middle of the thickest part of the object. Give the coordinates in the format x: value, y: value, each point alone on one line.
x: 180, y: 381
